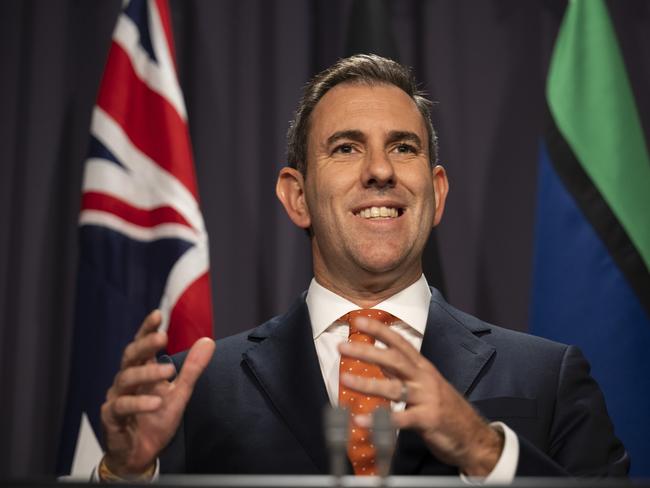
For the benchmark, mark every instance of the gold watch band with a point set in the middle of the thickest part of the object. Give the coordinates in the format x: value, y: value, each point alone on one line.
x: 107, y: 476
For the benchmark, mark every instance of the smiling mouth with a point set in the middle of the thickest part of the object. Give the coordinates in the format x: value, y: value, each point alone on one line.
x: 379, y: 213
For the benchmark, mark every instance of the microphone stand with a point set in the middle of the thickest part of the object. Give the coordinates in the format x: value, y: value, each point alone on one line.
x: 383, y: 436
x: 336, y: 438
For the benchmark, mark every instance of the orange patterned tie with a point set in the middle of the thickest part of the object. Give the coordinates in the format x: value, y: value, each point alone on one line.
x: 361, y: 451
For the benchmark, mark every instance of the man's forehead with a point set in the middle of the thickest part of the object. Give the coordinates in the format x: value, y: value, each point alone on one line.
x: 348, y: 104
x: 348, y: 92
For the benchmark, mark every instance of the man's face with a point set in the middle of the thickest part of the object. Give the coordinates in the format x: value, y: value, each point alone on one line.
x: 369, y: 189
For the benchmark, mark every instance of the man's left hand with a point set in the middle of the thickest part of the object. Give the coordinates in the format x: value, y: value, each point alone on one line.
x: 451, y: 428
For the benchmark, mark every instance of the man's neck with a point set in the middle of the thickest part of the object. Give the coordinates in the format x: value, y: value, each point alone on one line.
x: 368, y: 294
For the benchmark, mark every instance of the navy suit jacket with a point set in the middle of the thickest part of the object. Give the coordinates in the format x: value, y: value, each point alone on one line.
x: 257, y: 409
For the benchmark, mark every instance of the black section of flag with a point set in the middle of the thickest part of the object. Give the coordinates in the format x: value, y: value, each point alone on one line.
x: 369, y: 30
x: 598, y: 213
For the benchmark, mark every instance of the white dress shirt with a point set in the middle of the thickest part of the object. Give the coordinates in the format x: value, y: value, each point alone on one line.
x: 411, y: 307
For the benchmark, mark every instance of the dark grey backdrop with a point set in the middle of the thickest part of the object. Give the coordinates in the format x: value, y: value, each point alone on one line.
x: 242, y: 63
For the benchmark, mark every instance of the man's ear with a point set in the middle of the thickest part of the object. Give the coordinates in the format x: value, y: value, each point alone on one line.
x: 290, y: 191
x: 440, y: 190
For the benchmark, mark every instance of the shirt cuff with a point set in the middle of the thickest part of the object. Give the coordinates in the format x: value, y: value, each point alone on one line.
x: 156, y: 472
x: 504, y: 471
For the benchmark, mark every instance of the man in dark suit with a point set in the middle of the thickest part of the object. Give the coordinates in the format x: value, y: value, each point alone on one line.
x: 468, y: 397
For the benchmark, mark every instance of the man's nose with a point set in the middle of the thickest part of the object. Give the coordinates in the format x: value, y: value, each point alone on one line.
x: 378, y: 170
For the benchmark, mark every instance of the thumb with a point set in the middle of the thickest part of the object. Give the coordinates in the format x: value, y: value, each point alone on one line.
x: 196, y: 361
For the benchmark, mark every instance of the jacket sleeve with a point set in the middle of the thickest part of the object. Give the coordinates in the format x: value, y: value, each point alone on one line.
x: 581, y: 438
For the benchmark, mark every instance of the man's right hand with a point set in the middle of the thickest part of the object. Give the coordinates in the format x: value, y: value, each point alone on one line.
x: 143, y: 408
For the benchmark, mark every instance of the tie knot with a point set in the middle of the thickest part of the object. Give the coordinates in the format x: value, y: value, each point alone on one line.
x: 371, y: 313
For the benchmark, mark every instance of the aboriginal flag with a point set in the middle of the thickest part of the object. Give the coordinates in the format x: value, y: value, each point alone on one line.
x: 592, y: 258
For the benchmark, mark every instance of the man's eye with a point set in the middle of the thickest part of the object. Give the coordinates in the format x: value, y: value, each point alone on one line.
x: 405, y: 148
x: 343, y: 149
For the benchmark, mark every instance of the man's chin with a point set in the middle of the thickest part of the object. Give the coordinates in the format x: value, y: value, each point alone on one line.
x: 382, y: 265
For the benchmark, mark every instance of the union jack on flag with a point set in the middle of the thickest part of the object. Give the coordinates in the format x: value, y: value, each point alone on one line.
x: 143, y: 243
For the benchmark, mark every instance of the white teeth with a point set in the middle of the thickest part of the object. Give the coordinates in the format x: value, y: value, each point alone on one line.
x: 377, y: 212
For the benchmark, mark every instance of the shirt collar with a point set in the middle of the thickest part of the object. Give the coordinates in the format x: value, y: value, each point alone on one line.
x: 411, y: 306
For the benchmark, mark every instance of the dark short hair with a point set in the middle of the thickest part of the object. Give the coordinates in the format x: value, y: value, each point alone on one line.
x: 367, y: 69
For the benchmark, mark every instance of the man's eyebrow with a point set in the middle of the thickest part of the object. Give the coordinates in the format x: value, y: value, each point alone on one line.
x: 404, y: 135
x: 354, y: 135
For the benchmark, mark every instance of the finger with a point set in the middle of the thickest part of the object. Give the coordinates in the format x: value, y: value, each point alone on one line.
x: 390, y: 389
x: 143, y: 349
x: 133, y: 404
x: 405, y: 419
x: 196, y: 361
x: 363, y: 420
x: 390, y: 360
x: 149, y: 324
x: 389, y: 337
x: 402, y: 420
x: 138, y: 376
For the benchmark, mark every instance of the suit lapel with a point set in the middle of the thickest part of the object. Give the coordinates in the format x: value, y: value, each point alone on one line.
x: 287, y: 368
x: 452, y: 344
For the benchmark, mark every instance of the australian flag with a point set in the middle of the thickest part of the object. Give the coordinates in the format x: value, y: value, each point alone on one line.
x: 143, y: 243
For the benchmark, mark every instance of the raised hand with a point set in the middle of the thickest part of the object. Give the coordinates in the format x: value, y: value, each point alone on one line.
x: 143, y: 408
x: 451, y: 428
